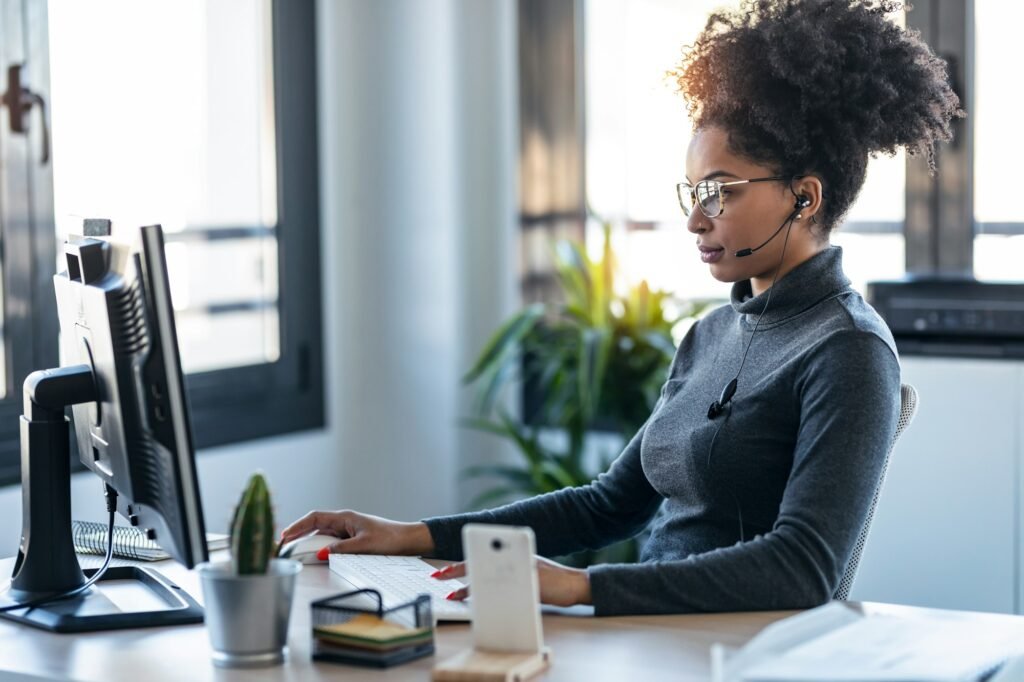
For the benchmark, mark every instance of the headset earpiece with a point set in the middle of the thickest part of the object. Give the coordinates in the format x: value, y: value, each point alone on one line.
x: 802, y: 202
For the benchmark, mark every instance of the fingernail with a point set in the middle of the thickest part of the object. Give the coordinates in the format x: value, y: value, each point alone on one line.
x: 436, y: 574
x: 323, y: 553
x: 452, y: 595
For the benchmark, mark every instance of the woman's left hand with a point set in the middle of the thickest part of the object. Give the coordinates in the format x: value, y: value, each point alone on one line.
x: 559, y: 585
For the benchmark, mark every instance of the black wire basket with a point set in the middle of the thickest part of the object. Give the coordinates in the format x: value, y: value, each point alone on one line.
x: 355, y: 628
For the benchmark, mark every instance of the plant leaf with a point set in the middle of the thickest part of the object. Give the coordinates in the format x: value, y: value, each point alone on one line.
x: 514, y: 475
x: 572, y: 269
x: 595, y: 348
x: 485, y: 498
x: 487, y: 426
x: 525, y: 438
x: 564, y: 479
x: 498, y: 378
x: 505, y: 339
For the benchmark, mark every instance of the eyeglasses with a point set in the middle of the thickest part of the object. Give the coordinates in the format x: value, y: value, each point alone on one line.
x: 708, y: 195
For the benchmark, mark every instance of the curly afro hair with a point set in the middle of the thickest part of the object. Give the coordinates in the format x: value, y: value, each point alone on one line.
x: 815, y: 87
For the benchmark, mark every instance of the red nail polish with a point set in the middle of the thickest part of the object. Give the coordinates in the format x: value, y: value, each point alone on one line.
x: 322, y: 554
x: 436, y: 574
x: 451, y: 595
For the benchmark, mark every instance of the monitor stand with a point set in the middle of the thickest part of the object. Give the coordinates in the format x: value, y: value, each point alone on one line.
x: 46, y: 562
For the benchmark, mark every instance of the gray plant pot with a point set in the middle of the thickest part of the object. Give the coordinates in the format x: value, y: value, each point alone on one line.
x: 247, y: 615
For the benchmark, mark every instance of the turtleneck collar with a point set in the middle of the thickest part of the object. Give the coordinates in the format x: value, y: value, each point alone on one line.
x: 818, y: 278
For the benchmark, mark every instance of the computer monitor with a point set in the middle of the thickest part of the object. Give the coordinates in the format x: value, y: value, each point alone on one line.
x: 121, y: 373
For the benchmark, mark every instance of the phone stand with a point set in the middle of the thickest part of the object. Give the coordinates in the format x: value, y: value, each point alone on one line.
x: 508, y: 639
x: 492, y: 666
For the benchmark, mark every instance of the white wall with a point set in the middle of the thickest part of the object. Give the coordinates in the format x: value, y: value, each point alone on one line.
x: 418, y: 151
x: 418, y: 133
x: 947, y: 530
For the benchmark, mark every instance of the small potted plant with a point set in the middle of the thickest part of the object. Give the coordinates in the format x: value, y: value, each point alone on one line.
x: 248, y: 598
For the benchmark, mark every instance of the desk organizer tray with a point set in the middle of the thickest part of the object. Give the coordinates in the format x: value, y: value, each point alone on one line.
x: 355, y: 628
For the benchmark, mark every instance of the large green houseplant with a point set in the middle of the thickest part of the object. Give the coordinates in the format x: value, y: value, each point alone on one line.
x: 593, y: 361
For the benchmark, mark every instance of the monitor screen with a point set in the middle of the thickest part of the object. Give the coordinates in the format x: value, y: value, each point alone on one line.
x: 116, y: 316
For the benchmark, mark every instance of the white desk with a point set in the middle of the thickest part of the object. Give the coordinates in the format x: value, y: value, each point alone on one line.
x: 647, y: 648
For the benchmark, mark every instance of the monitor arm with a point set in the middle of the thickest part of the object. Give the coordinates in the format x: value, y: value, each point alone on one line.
x: 46, y: 564
x: 46, y: 482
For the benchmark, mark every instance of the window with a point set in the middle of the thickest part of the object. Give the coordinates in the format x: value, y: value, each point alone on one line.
x: 200, y: 116
x: 998, y: 214
x: 636, y: 138
x: 185, y: 138
x: 637, y: 133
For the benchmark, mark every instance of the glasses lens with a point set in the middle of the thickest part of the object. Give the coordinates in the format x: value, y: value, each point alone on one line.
x: 685, y: 194
x: 709, y: 197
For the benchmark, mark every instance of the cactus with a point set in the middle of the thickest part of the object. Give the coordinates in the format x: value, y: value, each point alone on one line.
x: 252, y: 529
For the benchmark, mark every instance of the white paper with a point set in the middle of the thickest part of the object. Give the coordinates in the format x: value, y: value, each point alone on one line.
x: 933, y: 646
x: 728, y: 664
x: 1012, y: 671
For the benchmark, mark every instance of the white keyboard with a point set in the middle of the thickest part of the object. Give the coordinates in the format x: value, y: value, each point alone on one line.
x: 400, y: 579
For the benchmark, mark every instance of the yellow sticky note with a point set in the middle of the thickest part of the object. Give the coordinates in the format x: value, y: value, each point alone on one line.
x: 370, y: 627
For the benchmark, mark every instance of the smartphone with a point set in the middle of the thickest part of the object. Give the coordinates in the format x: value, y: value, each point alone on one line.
x: 504, y: 594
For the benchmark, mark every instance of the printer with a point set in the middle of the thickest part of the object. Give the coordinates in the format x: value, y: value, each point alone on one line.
x: 952, y: 316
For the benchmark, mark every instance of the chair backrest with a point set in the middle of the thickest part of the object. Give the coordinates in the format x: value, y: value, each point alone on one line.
x: 908, y: 407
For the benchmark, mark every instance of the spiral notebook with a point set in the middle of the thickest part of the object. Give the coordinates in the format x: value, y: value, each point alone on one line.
x: 129, y: 542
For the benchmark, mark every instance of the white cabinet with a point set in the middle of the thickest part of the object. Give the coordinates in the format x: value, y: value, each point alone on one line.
x: 948, y: 525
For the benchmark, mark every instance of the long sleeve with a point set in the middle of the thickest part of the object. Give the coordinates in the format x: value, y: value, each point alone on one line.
x: 615, y: 506
x: 848, y: 407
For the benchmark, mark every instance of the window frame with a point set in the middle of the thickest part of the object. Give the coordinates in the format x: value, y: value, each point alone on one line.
x: 26, y: 215
x: 227, y: 405
x: 939, y: 225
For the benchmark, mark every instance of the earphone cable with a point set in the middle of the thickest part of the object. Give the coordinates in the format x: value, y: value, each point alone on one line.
x: 771, y: 291
x: 728, y: 413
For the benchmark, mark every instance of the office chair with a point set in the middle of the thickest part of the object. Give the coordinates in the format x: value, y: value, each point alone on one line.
x: 908, y: 406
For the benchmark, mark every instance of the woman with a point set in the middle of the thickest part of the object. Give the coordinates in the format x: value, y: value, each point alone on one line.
x: 767, y: 443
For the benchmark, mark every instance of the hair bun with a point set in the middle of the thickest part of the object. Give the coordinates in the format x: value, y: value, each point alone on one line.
x: 817, y: 86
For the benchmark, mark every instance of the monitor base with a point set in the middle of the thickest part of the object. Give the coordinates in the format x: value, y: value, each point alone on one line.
x: 94, y: 612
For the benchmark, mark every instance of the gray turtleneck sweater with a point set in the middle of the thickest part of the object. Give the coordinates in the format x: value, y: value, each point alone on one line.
x: 762, y: 505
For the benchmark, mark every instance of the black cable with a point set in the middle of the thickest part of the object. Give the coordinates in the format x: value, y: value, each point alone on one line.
x: 771, y: 290
x: 111, y: 496
x: 711, y: 448
x: 743, y: 360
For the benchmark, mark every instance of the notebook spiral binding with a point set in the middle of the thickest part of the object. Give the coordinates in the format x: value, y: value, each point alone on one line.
x: 90, y: 537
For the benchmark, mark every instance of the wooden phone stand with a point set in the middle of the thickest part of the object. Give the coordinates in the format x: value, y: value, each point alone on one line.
x: 476, y: 665
x: 508, y: 640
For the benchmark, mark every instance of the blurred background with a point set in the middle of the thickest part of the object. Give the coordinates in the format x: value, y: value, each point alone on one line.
x: 366, y: 200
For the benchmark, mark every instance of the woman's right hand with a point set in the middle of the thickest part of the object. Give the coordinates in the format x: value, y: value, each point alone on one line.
x: 363, y: 534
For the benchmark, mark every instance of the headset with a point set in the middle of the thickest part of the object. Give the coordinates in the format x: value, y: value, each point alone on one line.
x: 802, y: 202
x: 718, y: 407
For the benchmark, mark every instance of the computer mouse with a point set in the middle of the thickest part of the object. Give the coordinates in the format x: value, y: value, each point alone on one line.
x: 305, y: 549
